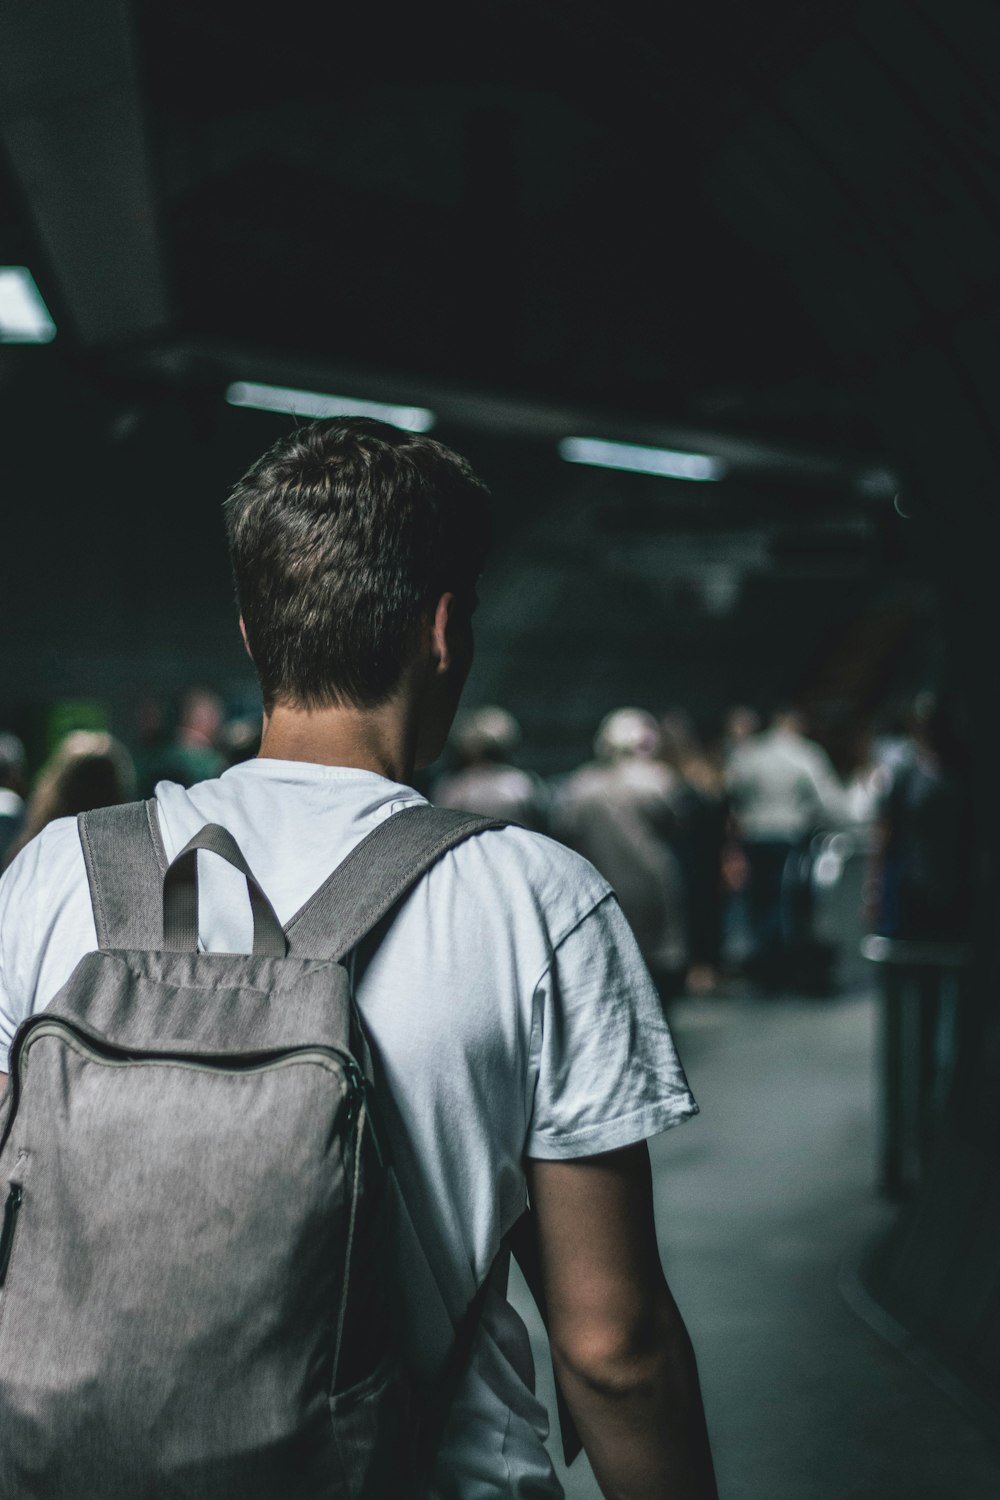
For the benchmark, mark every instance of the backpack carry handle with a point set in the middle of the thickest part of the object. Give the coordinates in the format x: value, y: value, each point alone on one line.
x: 180, y: 896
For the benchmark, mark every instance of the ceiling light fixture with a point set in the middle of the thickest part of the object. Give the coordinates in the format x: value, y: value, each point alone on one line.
x: 315, y: 404
x: 24, y: 318
x: 668, y: 463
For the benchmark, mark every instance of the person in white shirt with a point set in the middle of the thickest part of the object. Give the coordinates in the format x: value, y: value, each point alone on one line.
x: 783, y: 788
x: 621, y: 811
x: 512, y: 1019
x: 485, y: 779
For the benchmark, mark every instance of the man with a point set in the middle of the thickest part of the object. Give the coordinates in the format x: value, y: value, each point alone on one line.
x: 485, y: 779
x: 919, y: 892
x: 783, y: 788
x: 621, y: 812
x: 517, y: 1035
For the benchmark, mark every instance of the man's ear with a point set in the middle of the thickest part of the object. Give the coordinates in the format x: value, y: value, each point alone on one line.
x: 442, y: 623
x: 246, y: 643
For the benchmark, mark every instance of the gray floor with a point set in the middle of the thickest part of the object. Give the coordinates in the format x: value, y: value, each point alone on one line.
x: 762, y: 1201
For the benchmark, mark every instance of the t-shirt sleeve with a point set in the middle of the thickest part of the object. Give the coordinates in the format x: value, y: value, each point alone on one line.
x: 607, y: 1073
x: 46, y: 924
x: 16, y: 929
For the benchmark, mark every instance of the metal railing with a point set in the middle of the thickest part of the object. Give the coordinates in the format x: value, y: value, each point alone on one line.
x: 923, y: 988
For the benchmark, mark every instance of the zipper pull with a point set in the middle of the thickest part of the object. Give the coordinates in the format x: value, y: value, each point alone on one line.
x: 11, y: 1210
x: 355, y: 1088
x: 363, y: 1096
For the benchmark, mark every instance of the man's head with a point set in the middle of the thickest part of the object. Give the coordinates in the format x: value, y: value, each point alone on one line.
x: 488, y: 735
x: 788, y: 720
x: 626, y: 734
x: 344, y: 537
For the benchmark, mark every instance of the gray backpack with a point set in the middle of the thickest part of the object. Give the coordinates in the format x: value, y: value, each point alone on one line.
x: 195, y: 1299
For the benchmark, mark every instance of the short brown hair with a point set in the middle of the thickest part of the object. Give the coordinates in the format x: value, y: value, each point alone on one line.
x: 341, y: 535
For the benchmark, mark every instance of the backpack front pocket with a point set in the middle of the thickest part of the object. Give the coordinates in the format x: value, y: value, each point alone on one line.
x: 178, y: 1291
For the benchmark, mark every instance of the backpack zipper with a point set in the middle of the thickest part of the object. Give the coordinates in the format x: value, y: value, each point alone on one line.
x: 114, y: 1054
x: 358, y: 1093
x: 12, y: 1208
x: 356, y: 1178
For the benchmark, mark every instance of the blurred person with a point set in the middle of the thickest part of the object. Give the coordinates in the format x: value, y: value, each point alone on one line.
x: 621, y: 811
x: 13, y: 785
x: 529, y: 1060
x: 920, y: 882
x: 864, y: 781
x: 87, y: 769
x: 239, y: 739
x: 919, y: 894
x: 892, y: 741
x: 485, y: 779
x: 740, y: 722
x: 783, y: 789
x: 700, y: 841
x: 193, y: 752
x: 188, y: 752
x: 150, y: 743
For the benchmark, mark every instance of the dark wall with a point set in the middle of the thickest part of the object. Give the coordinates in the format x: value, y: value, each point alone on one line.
x: 115, y: 574
x: 869, y: 171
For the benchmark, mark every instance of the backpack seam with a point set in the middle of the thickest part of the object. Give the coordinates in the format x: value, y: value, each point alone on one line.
x: 96, y: 886
x: 156, y: 834
x: 352, y: 1225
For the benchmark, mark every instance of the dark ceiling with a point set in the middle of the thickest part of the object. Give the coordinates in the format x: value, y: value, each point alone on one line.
x: 511, y: 197
x: 508, y: 195
x: 662, y: 211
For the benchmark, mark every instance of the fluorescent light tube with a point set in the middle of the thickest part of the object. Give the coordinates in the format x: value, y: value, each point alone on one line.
x: 315, y: 404
x: 666, y: 462
x: 24, y: 318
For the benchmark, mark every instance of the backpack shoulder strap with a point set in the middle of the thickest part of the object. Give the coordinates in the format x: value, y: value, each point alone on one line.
x: 360, y: 893
x: 375, y: 876
x: 125, y: 859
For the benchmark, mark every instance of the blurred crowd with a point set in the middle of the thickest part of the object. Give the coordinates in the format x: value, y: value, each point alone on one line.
x: 717, y: 849
x: 88, y: 766
x: 714, y: 847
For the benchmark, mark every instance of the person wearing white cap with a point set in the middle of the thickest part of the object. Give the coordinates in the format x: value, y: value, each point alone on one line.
x: 619, y: 811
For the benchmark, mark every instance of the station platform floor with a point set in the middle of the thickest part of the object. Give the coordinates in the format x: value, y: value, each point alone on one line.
x: 765, y: 1202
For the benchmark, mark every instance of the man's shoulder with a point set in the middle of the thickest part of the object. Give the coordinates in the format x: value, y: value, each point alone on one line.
x: 52, y: 856
x: 46, y: 919
x: 531, y: 871
x: 747, y: 754
x: 46, y: 879
x: 537, y: 854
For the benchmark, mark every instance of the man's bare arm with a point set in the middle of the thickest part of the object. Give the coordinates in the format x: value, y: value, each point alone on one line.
x: 3, y: 1082
x: 625, y: 1361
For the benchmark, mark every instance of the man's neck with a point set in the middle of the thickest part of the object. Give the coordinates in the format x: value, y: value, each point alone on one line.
x: 380, y: 739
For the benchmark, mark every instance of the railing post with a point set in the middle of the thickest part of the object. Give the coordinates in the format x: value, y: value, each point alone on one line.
x: 920, y: 994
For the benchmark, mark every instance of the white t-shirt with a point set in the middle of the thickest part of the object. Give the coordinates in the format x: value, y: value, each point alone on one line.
x: 508, y: 1007
x: 784, y: 785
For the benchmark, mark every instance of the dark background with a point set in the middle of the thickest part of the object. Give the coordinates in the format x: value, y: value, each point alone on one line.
x: 731, y: 232
x: 767, y: 232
